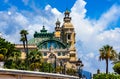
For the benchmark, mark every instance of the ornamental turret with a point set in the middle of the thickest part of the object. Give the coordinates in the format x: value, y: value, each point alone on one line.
x: 57, y: 29
x: 68, y: 35
x: 67, y: 30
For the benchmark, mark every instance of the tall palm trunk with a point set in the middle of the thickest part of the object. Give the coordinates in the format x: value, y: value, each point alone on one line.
x: 24, y: 46
x: 106, y: 66
x: 26, y: 49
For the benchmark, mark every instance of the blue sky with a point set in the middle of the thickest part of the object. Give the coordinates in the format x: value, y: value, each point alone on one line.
x: 96, y: 22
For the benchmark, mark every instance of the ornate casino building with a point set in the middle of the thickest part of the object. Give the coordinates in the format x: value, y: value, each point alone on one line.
x: 59, y: 45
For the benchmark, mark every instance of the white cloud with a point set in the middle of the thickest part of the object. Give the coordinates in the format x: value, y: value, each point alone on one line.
x: 48, y: 7
x: 20, y: 19
x: 9, y: 13
x: 56, y: 12
x: 90, y: 55
x: 112, y: 15
x: 94, y: 33
x: 12, y: 22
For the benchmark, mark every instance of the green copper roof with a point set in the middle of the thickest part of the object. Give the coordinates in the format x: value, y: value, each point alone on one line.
x: 31, y: 41
x: 46, y: 44
x: 43, y: 34
x: 67, y: 11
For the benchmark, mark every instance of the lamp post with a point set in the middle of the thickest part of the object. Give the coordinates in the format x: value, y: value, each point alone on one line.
x: 55, y: 64
x: 79, y: 65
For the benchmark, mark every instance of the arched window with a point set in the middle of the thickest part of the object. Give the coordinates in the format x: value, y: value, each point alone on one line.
x: 69, y: 36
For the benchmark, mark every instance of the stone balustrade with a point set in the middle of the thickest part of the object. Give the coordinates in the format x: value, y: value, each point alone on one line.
x: 22, y: 74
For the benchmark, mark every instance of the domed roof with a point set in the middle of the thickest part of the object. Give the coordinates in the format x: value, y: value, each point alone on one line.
x: 68, y: 25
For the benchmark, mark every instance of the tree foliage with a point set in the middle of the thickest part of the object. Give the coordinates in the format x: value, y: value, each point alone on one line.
x: 35, y: 59
x: 116, y: 67
x: 71, y: 71
x: 106, y: 76
x: 8, y: 50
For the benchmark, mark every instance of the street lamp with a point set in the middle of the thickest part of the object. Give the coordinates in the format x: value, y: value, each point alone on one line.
x: 79, y: 65
x: 61, y: 67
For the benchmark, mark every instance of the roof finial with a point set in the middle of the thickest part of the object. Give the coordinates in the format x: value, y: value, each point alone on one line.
x: 43, y: 27
x: 57, y: 22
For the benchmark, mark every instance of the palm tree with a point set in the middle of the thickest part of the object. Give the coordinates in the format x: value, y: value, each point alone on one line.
x: 107, y: 53
x: 35, y: 56
x: 24, y: 34
x: 35, y: 59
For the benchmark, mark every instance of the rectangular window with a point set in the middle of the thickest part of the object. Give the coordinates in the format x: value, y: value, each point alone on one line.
x: 59, y: 53
x: 45, y: 54
x: 72, y: 55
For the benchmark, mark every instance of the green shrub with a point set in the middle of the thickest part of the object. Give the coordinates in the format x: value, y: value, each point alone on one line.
x: 35, y: 66
x: 116, y: 68
x: 71, y: 71
x: 106, y: 76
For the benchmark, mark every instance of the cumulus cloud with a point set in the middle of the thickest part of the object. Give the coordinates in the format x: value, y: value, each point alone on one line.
x: 111, y: 16
x: 12, y: 21
x: 94, y: 33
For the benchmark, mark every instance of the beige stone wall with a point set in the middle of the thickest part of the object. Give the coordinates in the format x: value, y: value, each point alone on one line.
x: 10, y: 76
x: 4, y: 76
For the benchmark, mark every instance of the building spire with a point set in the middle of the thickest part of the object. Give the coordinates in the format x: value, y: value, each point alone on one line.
x: 57, y: 28
x: 57, y: 23
x: 67, y: 17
